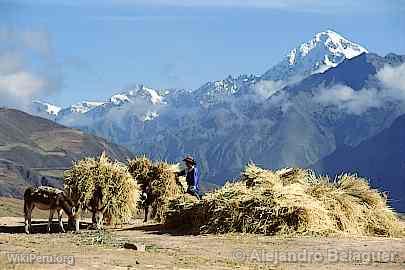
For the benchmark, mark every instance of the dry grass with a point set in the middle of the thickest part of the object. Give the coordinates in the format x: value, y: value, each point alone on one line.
x: 289, y: 202
x: 12, y: 207
x: 162, y: 181
x: 120, y: 192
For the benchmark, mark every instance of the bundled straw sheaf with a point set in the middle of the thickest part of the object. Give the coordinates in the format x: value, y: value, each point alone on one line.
x: 288, y: 202
x: 119, y: 191
x: 161, y: 179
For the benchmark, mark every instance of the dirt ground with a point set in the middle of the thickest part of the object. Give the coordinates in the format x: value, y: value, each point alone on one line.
x: 161, y: 249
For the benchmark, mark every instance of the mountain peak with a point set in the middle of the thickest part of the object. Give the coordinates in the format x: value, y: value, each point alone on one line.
x: 327, y: 43
x: 84, y: 106
x: 151, y: 95
x: 44, y: 109
x: 215, y: 91
x: 325, y: 50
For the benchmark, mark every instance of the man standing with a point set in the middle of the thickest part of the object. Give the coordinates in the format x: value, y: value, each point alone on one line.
x: 192, y: 177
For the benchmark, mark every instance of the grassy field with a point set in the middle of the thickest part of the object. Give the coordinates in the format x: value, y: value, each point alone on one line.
x: 10, y: 207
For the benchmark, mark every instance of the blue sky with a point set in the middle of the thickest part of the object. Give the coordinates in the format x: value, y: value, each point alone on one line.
x: 88, y: 50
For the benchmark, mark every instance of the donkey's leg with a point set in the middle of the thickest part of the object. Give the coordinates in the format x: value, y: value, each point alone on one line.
x: 77, y: 223
x: 27, y: 217
x: 146, y: 213
x: 60, y: 212
x: 51, y: 212
x: 30, y: 209
x: 93, y: 218
x: 99, y: 219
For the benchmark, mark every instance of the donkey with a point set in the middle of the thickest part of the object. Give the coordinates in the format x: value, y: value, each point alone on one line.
x: 147, y: 199
x: 47, y: 198
x: 97, y: 208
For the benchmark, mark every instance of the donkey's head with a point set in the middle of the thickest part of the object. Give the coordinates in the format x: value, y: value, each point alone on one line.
x: 70, y: 209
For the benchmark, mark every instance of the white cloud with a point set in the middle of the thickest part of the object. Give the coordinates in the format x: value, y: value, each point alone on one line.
x: 26, y: 68
x: 21, y: 84
x: 17, y: 84
x: 393, y: 81
x: 392, y: 89
x: 265, y: 89
x: 345, y: 98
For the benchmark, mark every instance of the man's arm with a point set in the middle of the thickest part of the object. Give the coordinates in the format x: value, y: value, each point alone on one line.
x: 181, y: 173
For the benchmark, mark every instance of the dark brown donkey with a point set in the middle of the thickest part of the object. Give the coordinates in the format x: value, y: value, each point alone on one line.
x: 47, y: 198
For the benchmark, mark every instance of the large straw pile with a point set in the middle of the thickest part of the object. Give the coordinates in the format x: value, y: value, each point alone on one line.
x: 288, y: 202
x: 119, y: 190
x: 162, y: 181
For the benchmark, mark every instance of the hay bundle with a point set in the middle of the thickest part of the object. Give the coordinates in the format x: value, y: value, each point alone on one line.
x: 139, y: 169
x: 185, y: 212
x: 356, y: 208
x: 118, y: 189
x: 160, y: 177
x: 289, y: 202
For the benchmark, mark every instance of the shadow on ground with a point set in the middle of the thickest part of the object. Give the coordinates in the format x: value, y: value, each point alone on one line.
x: 161, y: 229
x: 39, y: 226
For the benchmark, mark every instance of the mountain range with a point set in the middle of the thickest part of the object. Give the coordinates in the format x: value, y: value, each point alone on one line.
x: 326, y: 95
x: 326, y: 50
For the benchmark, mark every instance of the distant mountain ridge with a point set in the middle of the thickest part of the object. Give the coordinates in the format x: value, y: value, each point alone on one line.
x: 324, y: 51
x: 380, y: 158
x: 35, y: 151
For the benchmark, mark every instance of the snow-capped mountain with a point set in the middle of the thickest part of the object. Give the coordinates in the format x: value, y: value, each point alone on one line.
x: 44, y: 109
x: 141, y: 101
x: 85, y: 106
x: 68, y: 116
x: 325, y: 50
x: 213, y: 92
x: 140, y: 92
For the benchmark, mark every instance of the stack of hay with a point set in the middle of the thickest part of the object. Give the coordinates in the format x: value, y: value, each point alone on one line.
x: 185, y: 212
x: 139, y: 169
x: 161, y: 178
x: 119, y: 191
x: 288, y: 202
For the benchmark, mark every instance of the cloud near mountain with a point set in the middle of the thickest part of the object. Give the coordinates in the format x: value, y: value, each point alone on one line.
x: 393, y: 79
x: 391, y: 89
x: 345, y: 98
x: 19, y: 82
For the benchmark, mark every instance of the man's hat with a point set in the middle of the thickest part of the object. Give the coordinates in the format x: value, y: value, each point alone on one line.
x: 190, y: 159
